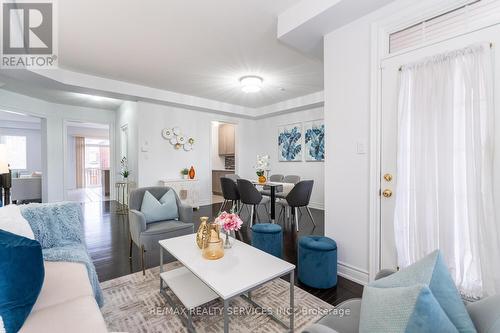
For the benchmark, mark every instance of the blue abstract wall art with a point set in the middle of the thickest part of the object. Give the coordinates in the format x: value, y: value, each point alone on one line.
x: 290, y: 143
x: 314, y: 140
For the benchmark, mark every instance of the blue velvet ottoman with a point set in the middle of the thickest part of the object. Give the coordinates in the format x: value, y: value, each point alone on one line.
x: 268, y: 237
x: 317, y: 261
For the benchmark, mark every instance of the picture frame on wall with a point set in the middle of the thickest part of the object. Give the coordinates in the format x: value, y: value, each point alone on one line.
x: 290, y: 143
x: 314, y: 140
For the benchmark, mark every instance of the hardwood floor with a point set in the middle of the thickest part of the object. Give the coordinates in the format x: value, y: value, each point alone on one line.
x: 87, y: 194
x: 107, y: 237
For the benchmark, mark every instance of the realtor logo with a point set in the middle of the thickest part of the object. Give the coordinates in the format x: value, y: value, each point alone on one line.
x: 28, y: 32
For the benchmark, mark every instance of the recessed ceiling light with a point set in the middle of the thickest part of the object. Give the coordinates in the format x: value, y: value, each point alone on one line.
x: 251, y: 83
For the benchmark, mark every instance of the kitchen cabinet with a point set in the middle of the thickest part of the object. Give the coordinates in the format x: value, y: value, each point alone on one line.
x: 216, y: 176
x: 226, y: 139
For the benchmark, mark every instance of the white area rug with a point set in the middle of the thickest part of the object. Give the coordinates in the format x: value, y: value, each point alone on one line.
x: 133, y: 303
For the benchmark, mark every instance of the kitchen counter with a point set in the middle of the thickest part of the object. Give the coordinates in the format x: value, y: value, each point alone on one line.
x: 216, y: 176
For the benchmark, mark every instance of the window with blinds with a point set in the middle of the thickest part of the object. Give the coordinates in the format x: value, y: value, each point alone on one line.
x: 474, y: 15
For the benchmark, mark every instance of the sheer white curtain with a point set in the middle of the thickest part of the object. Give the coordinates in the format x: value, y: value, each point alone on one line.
x: 445, y: 167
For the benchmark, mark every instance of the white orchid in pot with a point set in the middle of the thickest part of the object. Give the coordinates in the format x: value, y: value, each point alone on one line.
x: 262, y: 167
x: 125, y: 172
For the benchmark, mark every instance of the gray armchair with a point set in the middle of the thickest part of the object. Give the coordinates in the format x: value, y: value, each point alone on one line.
x: 485, y: 315
x: 146, y: 236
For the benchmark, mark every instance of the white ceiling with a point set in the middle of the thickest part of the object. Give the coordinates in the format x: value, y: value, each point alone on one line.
x: 21, y: 82
x: 304, y: 25
x: 192, y: 47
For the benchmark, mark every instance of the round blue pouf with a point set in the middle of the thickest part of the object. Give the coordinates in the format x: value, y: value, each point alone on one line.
x: 268, y: 238
x: 317, y: 261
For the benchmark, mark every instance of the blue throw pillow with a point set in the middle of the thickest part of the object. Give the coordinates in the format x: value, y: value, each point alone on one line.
x: 402, y: 310
x: 21, y: 278
x: 433, y: 272
x: 159, y: 210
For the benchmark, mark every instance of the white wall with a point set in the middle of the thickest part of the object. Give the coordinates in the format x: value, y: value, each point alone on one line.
x: 347, y: 102
x: 145, y: 122
x: 162, y: 161
x: 54, y: 115
x: 252, y: 137
x: 33, y: 141
x: 88, y: 132
x: 347, y: 57
x: 268, y: 145
x: 127, y: 115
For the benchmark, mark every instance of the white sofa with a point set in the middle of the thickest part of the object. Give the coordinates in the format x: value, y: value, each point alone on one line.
x: 66, y: 302
x: 26, y: 188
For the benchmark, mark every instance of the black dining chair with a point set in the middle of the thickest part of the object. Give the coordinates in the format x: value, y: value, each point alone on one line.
x: 298, y: 197
x: 229, y: 192
x: 250, y: 196
x: 291, y: 179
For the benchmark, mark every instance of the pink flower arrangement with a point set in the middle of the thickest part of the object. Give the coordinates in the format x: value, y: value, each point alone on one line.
x: 229, y: 221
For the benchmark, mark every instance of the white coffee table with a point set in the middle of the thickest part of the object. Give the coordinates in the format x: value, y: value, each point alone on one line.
x: 242, y: 269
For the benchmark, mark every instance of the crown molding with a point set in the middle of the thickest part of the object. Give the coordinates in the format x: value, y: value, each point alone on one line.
x: 66, y: 80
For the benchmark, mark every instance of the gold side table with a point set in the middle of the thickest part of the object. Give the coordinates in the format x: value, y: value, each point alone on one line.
x: 122, y: 192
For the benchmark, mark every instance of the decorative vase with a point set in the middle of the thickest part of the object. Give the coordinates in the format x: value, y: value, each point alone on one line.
x: 227, y: 241
x: 262, y: 179
x: 202, y: 232
x: 191, y: 173
x: 213, y: 247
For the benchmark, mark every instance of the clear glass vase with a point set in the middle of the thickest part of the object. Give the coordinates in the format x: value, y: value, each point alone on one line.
x: 227, y: 242
x: 213, y: 247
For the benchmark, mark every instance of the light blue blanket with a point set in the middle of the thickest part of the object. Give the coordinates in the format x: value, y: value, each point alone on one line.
x: 59, y: 229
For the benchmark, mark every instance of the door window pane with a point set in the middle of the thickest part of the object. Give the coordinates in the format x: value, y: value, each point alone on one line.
x: 16, y: 151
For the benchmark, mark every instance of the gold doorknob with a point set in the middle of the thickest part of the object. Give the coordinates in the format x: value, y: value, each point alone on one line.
x: 388, y: 177
x: 387, y: 193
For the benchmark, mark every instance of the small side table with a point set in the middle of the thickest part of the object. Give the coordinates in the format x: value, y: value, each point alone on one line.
x: 122, y: 191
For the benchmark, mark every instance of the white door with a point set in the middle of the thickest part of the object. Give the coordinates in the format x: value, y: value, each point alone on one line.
x: 389, y: 128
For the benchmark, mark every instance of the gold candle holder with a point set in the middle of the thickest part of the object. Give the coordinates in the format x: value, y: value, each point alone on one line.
x: 202, y: 233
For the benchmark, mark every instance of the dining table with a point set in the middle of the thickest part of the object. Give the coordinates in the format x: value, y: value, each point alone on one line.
x: 275, y: 187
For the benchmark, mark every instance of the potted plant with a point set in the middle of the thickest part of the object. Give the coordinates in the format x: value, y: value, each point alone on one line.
x: 125, y: 172
x: 262, y: 179
x: 261, y: 167
x: 185, y: 173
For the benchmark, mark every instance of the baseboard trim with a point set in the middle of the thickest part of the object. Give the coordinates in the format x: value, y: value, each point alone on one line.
x: 353, y: 273
x: 317, y: 205
x: 314, y: 205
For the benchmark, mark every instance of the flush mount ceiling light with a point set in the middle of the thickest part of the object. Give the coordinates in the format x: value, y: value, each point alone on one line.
x: 251, y: 83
